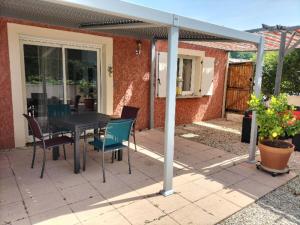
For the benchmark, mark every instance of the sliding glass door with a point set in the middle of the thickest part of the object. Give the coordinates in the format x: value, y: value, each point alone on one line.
x: 61, y: 74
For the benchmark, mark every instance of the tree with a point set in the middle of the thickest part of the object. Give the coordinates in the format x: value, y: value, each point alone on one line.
x: 290, y: 83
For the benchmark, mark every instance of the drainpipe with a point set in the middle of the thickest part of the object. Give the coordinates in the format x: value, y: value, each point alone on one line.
x: 225, y: 86
x: 152, y: 83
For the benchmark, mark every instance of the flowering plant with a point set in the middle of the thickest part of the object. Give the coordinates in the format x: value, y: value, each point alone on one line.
x: 277, y: 120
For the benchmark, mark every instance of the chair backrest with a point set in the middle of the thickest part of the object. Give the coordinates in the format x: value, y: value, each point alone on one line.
x: 117, y: 131
x: 58, y: 110
x: 77, y: 99
x: 34, y: 126
x: 129, y: 112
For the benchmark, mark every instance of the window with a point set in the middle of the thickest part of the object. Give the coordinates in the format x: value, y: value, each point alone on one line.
x: 185, y: 75
x: 195, y: 74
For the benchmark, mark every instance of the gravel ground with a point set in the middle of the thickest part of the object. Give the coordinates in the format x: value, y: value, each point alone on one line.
x: 218, y: 133
x: 281, y: 206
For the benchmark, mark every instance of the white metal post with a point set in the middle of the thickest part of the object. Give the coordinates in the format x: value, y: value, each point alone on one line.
x: 257, y: 89
x: 173, y: 34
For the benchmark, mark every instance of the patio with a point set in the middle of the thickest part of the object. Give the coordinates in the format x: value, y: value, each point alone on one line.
x: 210, y: 185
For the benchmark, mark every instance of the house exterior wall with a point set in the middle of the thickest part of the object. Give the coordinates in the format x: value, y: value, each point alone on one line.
x: 131, y: 83
x: 190, y: 110
x: 6, y: 109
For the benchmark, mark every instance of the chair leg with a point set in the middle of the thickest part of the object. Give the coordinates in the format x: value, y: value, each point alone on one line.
x: 44, y: 162
x: 65, y: 156
x: 84, y: 152
x: 103, y: 171
x: 133, y: 134
x: 112, y: 156
x: 128, y: 149
x: 33, y: 156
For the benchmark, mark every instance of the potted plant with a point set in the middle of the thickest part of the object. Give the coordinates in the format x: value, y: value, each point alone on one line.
x: 276, y: 122
x: 87, y: 89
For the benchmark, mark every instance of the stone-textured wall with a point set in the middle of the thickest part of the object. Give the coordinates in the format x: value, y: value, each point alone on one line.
x: 196, y: 109
x: 131, y: 78
x: 6, y: 110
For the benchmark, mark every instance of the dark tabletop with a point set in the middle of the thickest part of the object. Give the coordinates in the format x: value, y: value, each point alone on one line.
x: 80, y: 121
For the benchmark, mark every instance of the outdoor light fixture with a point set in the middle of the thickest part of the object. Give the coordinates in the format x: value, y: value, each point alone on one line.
x: 138, y: 49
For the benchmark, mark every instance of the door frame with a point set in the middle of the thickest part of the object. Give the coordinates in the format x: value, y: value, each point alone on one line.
x: 63, y: 45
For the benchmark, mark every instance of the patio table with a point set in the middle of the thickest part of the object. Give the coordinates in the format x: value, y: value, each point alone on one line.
x: 78, y: 123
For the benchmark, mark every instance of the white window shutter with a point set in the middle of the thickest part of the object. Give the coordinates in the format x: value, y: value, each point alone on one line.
x: 161, y: 74
x: 207, y: 76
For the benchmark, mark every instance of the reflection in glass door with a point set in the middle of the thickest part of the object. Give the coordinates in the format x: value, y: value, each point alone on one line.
x: 59, y: 74
x: 44, y: 78
x: 81, y: 79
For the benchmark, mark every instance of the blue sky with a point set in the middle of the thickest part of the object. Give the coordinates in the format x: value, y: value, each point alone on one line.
x: 238, y: 14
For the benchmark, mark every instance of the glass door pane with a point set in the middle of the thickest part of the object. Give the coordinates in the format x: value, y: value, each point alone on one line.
x: 44, y: 77
x: 81, y: 79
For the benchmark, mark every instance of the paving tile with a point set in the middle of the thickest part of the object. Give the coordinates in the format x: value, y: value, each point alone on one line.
x: 237, y: 197
x: 24, y: 221
x: 164, y: 220
x: 193, y: 191
x: 5, y: 172
x: 10, y: 195
x: 44, y: 202
x: 168, y: 204
x: 217, y: 206
x: 59, y: 216
x: 243, y: 169
x: 111, y: 218
x: 9, y: 213
x: 192, y: 214
x: 68, y: 180
x: 37, y: 188
x: 251, y: 188
x: 90, y: 208
x: 79, y: 192
x: 141, y: 212
x: 226, y: 177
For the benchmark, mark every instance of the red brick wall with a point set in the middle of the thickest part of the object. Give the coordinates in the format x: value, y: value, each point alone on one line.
x: 131, y: 78
x: 6, y: 110
x: 196, y: 109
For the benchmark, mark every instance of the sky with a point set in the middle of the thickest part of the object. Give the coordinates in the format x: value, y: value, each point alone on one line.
x: 238, y: 14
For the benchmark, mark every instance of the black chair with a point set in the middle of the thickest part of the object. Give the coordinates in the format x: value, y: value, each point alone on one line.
x: 129, y: 112
x: 45, y: 143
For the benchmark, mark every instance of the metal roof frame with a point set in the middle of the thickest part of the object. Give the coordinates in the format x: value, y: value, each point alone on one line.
x: 127, y: 13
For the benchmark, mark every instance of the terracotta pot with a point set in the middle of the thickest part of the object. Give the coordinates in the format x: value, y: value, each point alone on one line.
x: 89, y: 103
x: 275, y: 158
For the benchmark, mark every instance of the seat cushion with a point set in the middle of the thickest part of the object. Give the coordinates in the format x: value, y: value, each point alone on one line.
x: 56, y: 141
x: 98, y: 144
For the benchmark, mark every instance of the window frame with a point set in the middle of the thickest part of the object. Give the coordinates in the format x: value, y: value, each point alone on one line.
x: 181, y: 57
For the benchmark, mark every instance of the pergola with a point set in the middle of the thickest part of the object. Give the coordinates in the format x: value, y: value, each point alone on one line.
x: 120, y: 18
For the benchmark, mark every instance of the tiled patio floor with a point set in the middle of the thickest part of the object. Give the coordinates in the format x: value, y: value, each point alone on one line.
x: 210, y: 185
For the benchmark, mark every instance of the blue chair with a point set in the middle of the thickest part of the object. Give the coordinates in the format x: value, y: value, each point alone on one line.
x: 58, y: 110
x: 116, y: 132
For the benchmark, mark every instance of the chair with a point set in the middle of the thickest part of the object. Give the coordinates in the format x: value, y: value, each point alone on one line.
x: 59, y: 110
x: 116, y: 132
x: 45, y: 143
x: 129, y: 112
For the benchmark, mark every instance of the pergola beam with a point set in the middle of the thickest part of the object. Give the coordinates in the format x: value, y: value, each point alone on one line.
x: 280, y: 63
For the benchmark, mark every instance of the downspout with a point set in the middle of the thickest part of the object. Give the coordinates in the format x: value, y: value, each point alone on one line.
x: 225, y: 86
x: 152, y: 83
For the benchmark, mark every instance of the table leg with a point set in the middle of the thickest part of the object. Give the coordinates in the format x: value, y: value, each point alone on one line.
x: 55, y: 153
x: 95, y: 134
x: 120, y: 155
x: 77, y: 152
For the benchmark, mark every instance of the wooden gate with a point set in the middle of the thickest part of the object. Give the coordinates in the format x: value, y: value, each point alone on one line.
x: 239, y: 86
